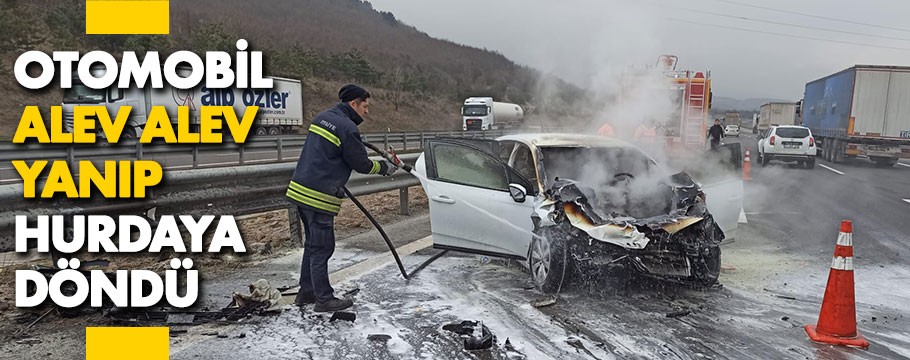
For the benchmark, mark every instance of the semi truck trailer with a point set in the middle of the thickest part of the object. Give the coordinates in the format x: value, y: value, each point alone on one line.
x: 280, y: 108
x: 863, y: 111
x: 482, y: 113
x: 776, y: 113
x: 733, y: 118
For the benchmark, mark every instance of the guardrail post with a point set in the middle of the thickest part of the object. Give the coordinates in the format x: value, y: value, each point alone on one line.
x: 241, y: 154
x: 195, y: 156
x: 386, y: 140
x: 296, y: 233
x: 280, y: 157
x: 70, y: 156
x: 404, y: 140
x: 138, y: 150
x: 422, y: 141
x: 403, y: 196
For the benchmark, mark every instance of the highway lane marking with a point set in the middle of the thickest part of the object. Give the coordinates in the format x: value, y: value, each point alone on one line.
x: 906, y: 200
x: 832, y: 169
x: 902, y: 164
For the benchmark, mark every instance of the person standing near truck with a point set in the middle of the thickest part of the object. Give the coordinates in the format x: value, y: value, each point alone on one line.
x: 332, y: 150
x: 715, y: 133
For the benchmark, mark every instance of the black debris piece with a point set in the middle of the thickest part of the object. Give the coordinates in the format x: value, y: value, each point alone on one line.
x: 476, y: 335
x: 343, y: 315
x: 242, y: 335
x: 462, y: 328
x: 350, y: 293
x: 165, y: 316
x: 785, y: 318
x: 379, y: 338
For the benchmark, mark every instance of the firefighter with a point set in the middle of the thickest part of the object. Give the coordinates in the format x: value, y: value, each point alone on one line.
x: 332, y: 149
x: 646, y: 133
x: 606, y: 130
x: 715, y: 134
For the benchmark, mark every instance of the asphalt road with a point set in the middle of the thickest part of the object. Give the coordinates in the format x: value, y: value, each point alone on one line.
x: 773, y: 284
x: 806, y: 206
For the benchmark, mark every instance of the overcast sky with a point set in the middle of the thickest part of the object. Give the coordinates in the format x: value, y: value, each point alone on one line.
x: 588, y: 42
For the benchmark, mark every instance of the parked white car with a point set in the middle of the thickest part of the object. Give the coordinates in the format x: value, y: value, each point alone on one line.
x: 787, y: 143
x: 566, y: 201
x: 731, y: 130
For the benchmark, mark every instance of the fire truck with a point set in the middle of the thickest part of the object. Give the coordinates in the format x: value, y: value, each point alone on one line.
x: 690, y: 93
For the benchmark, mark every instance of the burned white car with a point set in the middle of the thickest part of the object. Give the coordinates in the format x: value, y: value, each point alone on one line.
x: 563, y: 202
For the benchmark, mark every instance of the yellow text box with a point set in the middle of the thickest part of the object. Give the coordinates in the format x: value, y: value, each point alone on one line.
x: 127, y: 17
x: 135, y: 343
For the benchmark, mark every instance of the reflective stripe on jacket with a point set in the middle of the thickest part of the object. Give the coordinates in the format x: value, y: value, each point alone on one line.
x: 332, y: 150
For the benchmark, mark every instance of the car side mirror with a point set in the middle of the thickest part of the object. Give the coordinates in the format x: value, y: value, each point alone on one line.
x: 518, y: 192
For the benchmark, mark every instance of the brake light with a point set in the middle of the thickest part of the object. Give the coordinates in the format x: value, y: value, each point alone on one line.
x: 771, y: 139
x: 811, y: 141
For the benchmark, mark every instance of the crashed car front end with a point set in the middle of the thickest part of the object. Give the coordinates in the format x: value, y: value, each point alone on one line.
x: 677, y: 241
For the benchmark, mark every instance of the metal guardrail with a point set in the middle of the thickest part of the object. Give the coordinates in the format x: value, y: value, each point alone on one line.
x: 277, y: 148
x: 236, y: 190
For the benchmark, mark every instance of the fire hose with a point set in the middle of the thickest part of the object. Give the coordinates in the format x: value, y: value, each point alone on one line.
x: 392, y: 158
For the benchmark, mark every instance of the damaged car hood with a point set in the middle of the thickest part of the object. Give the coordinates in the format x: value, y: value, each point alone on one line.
x: 682, y: 202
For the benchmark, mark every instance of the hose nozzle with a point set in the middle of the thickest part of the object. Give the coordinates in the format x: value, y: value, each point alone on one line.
x: 390, y: 156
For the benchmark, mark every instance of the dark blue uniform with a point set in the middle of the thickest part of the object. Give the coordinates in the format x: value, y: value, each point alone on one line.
x: 332, y: 149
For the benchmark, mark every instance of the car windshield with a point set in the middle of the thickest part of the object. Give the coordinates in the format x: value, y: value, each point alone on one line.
x: 792, y: 133
x: 619, y: 180
x: 475, y: 110
x: 594, y: 166
x: 82, y: 94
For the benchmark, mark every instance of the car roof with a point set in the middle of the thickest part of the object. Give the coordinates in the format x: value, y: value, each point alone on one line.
x: 791, y: 126
x: 550, y: 139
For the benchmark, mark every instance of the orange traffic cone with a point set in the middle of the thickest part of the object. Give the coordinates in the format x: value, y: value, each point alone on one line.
x: 747, y: 166
x: 837, y: 319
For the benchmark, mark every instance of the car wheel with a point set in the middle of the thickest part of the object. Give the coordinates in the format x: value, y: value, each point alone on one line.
x: 763, y: 159
x: 274, y: 130
x: 262, y: 131
x: 837, y: 152
x: 810, y: 164
x: 548, y: 260
x: 705, y: 259
x: 707, y: 265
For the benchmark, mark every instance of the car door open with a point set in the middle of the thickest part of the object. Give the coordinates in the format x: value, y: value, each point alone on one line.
x: 473, y: 202
x: 721, y: 181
